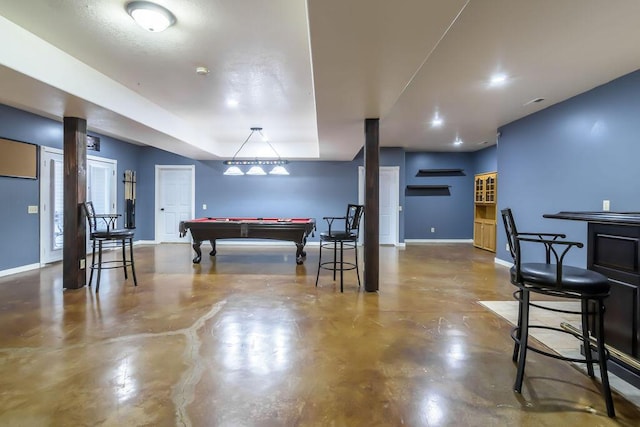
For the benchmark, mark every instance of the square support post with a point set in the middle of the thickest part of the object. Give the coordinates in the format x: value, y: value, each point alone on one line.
x: 372, y: 205
x: 75, y: 193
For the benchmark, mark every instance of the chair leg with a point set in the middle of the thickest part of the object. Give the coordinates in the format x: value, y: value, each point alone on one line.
x: 341, y: 265
x: 355, y: 248
x: 524, y: 338
x: 602, y: 359
x: 124, y: 258
x: 99, y: 265
x: 516, y: 345
x: 319, y: 264
x: 93, y: 261
x: 585, y: 337
x: 133, y: 267
x: 335, y: 260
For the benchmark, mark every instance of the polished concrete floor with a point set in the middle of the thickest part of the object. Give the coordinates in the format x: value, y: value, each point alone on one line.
x: 246, y: 339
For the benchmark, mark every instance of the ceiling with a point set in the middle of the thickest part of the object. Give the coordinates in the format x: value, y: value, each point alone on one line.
x: 310, y: 72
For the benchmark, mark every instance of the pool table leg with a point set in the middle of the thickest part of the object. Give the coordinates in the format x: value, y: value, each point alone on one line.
x: 300, y: 254
x: 196, y: 247
x: 213, y: 247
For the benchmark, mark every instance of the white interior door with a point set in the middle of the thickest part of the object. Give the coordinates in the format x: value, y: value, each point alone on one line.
x: 389, y: 202
x: 101, y: 189
x: 51, y: 205
x: 175, y: 199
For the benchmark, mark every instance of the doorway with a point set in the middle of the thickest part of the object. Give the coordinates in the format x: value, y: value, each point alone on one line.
x: 101, y: 189
x: 175, y: 201
x: 389, y: 202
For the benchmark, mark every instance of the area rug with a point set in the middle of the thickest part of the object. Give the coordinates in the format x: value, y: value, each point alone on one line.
x: 560, y: 343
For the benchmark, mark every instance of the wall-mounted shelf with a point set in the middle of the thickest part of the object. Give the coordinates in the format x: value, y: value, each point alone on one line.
x: 440, y: 172
x: 427, y: 190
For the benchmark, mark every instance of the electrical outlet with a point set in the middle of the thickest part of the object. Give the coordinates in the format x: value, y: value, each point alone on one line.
x: 433, y: 229
x: 204, y: 206
x: 32, y: 209
x: 506, y: 246
x: 605, y: 205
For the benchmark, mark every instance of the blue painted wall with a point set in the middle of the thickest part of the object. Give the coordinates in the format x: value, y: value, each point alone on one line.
x: 20, y: 231
x: 314, y: 189
x: 486, y: 160
x: 570, y: 157
x: 451, y: 216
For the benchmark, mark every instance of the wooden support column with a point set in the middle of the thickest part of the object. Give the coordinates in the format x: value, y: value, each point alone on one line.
x: 371, y: 205
x: 75, y: 193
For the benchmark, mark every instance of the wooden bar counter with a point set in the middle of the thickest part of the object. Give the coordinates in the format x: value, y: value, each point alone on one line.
x: 613, y: 249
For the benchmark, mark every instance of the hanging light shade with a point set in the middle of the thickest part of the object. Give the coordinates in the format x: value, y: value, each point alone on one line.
x: 233, y: 170
x: 150, y: 16
x: 256, y: 165
x: 256, y: 170
x: 279, y: 170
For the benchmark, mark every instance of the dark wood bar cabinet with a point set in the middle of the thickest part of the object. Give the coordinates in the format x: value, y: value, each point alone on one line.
x: 613, y: 249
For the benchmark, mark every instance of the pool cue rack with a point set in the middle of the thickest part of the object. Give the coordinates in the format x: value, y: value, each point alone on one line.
x: 130, y: 199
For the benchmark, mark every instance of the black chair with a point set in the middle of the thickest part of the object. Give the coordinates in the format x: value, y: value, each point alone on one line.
x: 106, y: 236
x: 552, y: 278
x: 339, y: 240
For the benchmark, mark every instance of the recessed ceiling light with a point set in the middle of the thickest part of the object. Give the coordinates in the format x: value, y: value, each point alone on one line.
x: 203, y: 71
x: 498, y: 79
x: 150, y: 16
x: 436, y: 121
x: 458, y: 141
x: 232, y: 102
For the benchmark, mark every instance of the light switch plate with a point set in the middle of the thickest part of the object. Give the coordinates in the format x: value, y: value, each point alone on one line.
x: 32, y: 209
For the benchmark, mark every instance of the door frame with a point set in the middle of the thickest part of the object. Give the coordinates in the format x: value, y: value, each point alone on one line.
x: 395, y: 176
x: 158, y: 170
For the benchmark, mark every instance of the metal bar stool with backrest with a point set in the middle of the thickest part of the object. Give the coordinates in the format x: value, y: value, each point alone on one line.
x: 552, y: 278
x: 104, y: 232
x: 340, y: 240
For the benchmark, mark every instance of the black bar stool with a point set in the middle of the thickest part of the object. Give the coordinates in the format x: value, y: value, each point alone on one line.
x: 555, y: 279
x: 339, y: 241
x: 108, y: 237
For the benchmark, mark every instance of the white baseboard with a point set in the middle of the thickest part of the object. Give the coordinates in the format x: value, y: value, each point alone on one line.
x: 20, y: 269
x: 503, y: 262
x: 410, y: 241
x: 144, y: 242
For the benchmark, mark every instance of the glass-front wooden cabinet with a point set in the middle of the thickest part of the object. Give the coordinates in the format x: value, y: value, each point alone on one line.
x: 485, y: 211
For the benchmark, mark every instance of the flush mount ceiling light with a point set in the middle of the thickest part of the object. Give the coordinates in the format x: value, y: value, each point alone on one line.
x: 150, y: 16
x: 256, y: 164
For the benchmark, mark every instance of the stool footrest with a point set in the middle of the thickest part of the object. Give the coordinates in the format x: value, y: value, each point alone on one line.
x: 554, y: 355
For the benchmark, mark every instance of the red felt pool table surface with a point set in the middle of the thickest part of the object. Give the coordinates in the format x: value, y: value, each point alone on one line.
x: 209, y: 228
x: 257, y: 219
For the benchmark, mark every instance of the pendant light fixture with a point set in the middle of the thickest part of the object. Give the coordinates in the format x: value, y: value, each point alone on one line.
x: 256, y: 165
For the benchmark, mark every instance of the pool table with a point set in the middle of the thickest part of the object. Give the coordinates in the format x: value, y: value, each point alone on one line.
x: 290, y: 229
